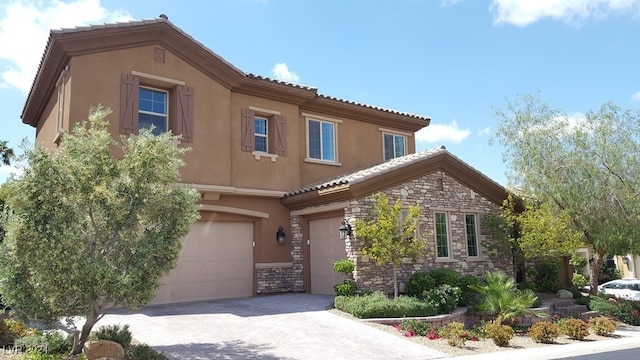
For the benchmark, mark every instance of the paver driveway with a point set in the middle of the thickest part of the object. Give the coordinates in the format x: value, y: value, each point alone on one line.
x: 287, y: 326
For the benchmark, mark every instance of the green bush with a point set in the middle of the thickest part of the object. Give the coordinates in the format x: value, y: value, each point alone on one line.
x: 621, y: 309
x: 578, y: 280
x: 528, y: 285
x: 455, y: 334
x: 420, y: 328
x: 142, y: 352
x: 444, y: 297
x: 445, y: 276
x: 501, y: 297
x: 602, y: 326
x: 544, y: 332
x: 347, y: 288
x: 576, y: 329
x: 500, y: 334
x: 418, y: 283
x: 468, y: 296
x: 547, y: 276
x: 10, y: 330
x: 49, y: 343
x: 121, y: 335
x: 378, y: 305
x: 36, y: 355
x: 344, y: 266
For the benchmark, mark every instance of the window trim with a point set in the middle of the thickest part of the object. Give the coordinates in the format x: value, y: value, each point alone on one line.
x: 447, y: 233
x: 476, y: 234
x: 334, y: 124
x: 257, y: 135
x: 276, y: 132
x: 394, y: 135
x: 61, y: 96
x: 152, y: 113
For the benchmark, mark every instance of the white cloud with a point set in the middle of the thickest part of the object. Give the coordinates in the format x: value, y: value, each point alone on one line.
x: 281, y: 72
x: 24, y: 30
x: 525, y: 12
x: 445, y: 3
x: 636, y: 96
x: 436, y: 133
x: 485, y: 131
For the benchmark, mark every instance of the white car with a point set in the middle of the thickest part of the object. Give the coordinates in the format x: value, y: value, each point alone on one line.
x: 622, y: 288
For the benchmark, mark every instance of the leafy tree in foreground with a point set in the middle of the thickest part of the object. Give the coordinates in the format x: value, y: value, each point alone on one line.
x: 584, y: 168
x: 388, y: 237
x: 89, y: 231
x: 6, y: 153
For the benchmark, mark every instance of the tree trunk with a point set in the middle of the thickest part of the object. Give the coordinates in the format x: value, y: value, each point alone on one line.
x: 594, y: 272
x: 395, y: 283
x: 91, y: 320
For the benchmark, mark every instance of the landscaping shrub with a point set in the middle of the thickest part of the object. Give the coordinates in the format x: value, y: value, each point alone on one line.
x: 621, y: 309
x: 544, y: 332
x: 418, y: 283
x: 344, y: 266
x: 579, y: 281
x: 500, y: 334
x: 378, y: 305
x: 468, y: 296
x: 121, y: 335
x: 142, y: 352
x: 576, y: 329
x: 455, y: 334
x: 347, y: 288
x: 501, y: 297
x: 47, y: 343
x: 602, y: 326
x: 417, y: 327
x: 10, y: 330
x: 528, y: 285
x: 547, y: 276
x: 445, y: 276
x: 36, y: 355
x: 444, y: 298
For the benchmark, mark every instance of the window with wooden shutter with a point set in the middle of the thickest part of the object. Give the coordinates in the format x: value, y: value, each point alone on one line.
x: 180, y: 104
x: 263, y: 132
x: 247, y: 129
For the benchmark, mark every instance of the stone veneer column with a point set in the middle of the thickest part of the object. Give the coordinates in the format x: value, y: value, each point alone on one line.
x: 297, y: 244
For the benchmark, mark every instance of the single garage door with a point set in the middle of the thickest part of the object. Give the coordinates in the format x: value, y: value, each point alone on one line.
x: 216, y: 262
x: 325, y: 247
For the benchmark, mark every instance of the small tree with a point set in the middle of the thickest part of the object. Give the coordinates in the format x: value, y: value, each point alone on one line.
x: 87, y: 231
x: 388, y: 236
x: 6, y: 153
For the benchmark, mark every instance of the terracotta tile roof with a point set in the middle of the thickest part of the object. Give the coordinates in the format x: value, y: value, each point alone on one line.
x: 370, y: 172
x: 414, y: 116
x: 281, y: 82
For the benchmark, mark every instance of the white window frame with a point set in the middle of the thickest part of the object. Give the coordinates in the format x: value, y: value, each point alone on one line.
x: 322, y: 120
x: 476, y: 231
x: 394, y: 136
x: 165, y: 115
x: 447, y: 230
x: 265, y: 135
x: 60, y: 88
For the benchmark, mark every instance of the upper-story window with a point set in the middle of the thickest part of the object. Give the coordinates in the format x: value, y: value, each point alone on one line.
x: 321, y: 140
x: 263, y: 132
x: 153, y: 110
x: 147, y: 100
x: 394, y: 146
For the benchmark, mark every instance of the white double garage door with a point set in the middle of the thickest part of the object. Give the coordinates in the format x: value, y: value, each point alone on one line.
x: 216, y: 261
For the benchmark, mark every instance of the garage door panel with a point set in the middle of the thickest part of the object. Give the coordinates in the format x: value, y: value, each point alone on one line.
x: 216, y: 261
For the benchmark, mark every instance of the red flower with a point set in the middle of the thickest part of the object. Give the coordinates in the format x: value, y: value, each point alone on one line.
x: 474, y: 338
x: 635, y: 313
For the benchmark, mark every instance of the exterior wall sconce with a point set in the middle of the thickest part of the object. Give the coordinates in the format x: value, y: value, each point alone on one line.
x: 345, y: 230
x: 280, y: 236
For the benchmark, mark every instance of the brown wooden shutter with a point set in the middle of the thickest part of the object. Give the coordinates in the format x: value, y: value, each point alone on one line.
x: 182, y: 115
x: 129, y: 104
x: 247, y: 129
x: 281, y: 134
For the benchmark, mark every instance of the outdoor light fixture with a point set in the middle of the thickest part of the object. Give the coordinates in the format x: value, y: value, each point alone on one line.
x: 280, y: 235
x: 345, y: 230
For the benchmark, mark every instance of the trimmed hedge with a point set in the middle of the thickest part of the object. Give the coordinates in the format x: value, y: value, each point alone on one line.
x: 378, y: 305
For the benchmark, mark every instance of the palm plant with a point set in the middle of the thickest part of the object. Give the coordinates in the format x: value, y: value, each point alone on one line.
x: 502, y: 297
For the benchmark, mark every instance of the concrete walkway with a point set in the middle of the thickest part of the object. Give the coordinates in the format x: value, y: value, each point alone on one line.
x: 287, y: 326
x: 295, y: 326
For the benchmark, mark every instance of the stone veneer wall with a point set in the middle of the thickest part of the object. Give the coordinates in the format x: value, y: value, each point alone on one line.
x: 433, y: 192
x: 284, y: 277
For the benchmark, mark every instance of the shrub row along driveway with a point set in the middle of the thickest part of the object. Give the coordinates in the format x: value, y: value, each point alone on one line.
x: 287, y: 326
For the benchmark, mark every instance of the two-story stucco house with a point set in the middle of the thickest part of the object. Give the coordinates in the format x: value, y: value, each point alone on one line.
x: 262, y: 151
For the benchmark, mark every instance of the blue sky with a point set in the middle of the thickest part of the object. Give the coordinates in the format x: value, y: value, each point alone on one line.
x: 451, y: 60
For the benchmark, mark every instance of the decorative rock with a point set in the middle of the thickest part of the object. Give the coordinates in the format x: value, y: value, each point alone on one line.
x: 564, y: 294
x: 101, y: 349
